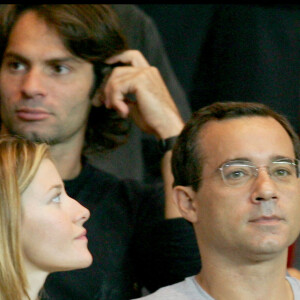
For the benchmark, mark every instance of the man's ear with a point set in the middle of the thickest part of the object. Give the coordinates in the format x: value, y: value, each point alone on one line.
x: 184, y: 197
x: 98, y: 98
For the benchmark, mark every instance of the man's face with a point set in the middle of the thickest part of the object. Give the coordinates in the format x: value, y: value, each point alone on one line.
x: 44, y: 88
x: 233, y: 220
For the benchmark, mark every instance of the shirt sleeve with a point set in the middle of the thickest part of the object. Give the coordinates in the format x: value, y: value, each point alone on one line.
x: 165, y: 251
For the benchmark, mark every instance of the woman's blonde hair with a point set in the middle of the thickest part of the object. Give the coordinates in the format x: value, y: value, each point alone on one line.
x: 19, y: 162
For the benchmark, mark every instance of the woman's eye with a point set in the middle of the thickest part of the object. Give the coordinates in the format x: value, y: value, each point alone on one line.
x: 56, y: 199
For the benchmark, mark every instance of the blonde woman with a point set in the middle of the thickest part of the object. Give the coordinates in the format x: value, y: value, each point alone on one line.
x: 40, y: 225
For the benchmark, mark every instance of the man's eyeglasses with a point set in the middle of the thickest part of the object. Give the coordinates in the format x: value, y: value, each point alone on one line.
x: 239, y: 172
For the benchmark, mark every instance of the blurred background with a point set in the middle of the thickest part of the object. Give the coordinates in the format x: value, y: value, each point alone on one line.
x: 224, y: 52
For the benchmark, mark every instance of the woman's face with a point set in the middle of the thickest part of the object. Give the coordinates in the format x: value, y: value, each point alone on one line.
x: 52, y: 235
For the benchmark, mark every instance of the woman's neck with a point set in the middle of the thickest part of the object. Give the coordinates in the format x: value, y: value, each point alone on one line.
x: 36, y: 281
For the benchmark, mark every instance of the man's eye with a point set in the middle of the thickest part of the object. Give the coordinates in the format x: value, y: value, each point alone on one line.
x: 283, y: 169
x: 60, y: 69
x: 236, y: 174
x: 16, y: 66
x: 281, y: 172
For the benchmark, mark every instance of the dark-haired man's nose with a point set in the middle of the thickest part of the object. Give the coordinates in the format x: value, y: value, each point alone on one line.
x: 33, y: 86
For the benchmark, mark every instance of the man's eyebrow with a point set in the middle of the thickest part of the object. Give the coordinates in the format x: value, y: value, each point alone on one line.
x: 278, y: 157
x: 64, y: 60
x: 50, y: 60
x: 237, y: 160
x: 247, y: 160
x: 15, y: 56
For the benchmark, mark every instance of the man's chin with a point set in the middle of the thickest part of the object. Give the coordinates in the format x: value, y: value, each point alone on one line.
x: 33, y: 136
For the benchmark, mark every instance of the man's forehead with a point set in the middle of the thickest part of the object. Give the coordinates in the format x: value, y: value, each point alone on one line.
x: 29, y: 19
x: 32, y: 38
x: 226, y: 126
x: 30, y: 28
x: 253, y: 136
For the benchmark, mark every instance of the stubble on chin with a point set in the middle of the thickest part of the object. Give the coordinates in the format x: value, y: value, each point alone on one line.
x: 31, y: 136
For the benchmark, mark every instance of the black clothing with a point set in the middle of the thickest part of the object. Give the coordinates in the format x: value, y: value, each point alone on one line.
x: 132, y: 245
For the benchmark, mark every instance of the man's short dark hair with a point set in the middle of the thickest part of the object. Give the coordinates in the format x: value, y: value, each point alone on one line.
x: 187, y: 159
x: 91, y: 32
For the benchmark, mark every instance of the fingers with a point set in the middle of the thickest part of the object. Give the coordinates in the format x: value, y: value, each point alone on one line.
x: 122, y: 81
x: 153, y: 110
x: 131, y: 57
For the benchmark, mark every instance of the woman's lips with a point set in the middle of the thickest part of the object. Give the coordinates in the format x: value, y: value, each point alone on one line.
x: 82, y: 236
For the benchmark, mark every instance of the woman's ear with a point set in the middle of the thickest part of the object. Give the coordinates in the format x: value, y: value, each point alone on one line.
x: 184, y: 197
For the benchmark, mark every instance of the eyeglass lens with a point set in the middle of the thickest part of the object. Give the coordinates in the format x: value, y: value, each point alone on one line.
x: 237, y: 173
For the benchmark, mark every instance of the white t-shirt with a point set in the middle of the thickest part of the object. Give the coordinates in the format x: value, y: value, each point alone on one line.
x: 189, y: 289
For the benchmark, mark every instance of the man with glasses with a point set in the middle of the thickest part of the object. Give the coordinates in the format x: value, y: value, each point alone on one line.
x: 236, y: 178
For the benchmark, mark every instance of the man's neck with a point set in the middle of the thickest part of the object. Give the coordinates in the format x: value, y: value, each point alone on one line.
x: 66, y: 155
x: 67, y: 160
x: 263, y: 280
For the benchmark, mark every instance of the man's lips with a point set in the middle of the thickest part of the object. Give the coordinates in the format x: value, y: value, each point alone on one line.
x: 32, y: 114
x: 266, y: 220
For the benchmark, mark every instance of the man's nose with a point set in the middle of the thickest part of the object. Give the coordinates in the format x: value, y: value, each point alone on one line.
x: 264, y: 187
x: 33, y: 84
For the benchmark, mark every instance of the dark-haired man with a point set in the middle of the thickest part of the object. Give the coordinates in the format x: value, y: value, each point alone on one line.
x: 55, y: 88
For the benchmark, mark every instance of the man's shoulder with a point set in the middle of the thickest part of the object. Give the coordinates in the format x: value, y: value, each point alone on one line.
x: 184, y: 290
x: 295, y: 285
x: 96, y: 178
x: 93, y: 176
x: 96, y: 175
x: 93, y: 173
x: 94, y: 183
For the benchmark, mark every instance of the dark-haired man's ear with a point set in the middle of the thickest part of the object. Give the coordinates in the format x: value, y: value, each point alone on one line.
x: 184, y: 198
x: 98, y: 99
